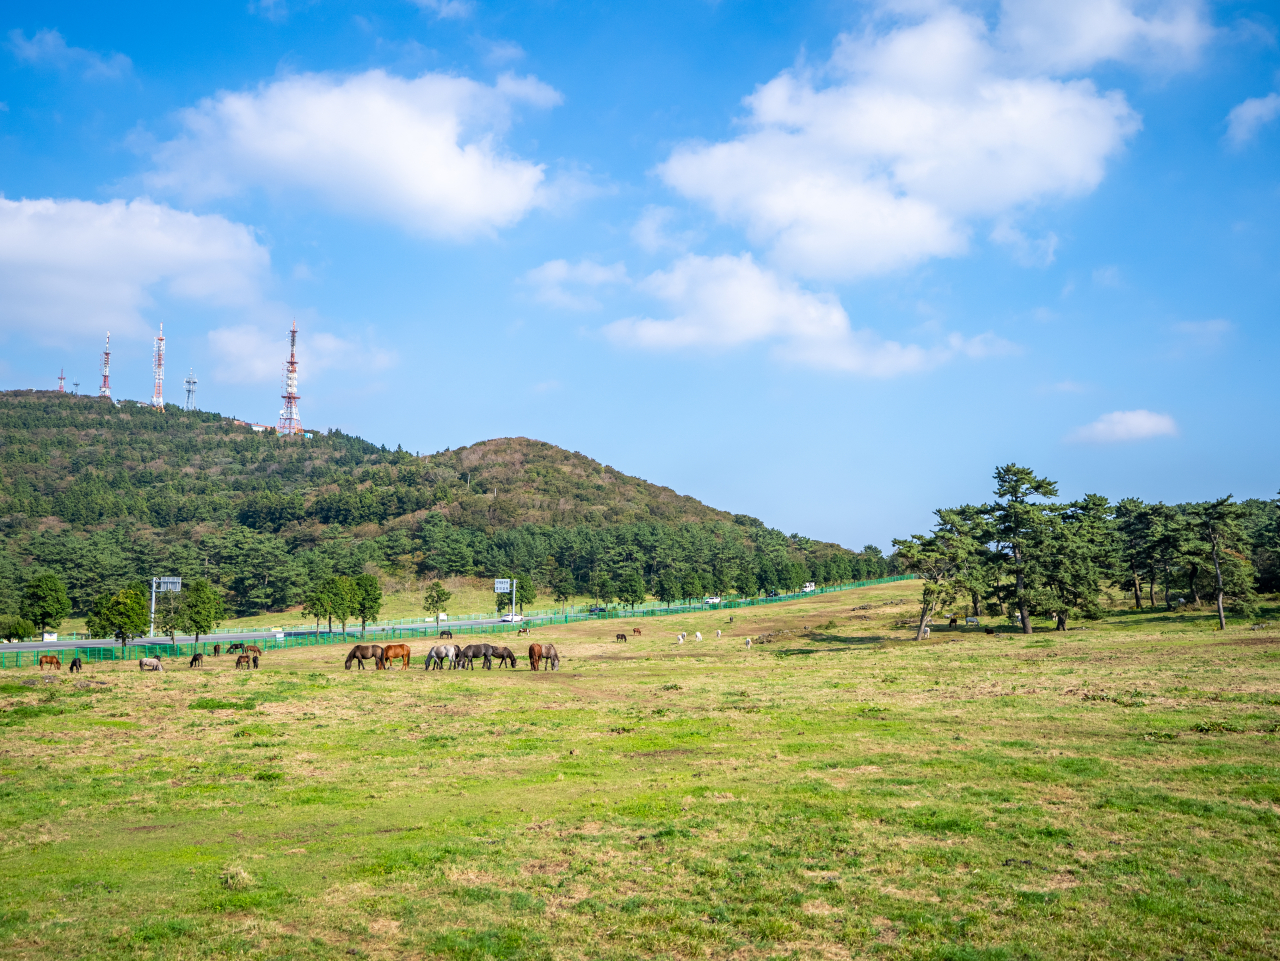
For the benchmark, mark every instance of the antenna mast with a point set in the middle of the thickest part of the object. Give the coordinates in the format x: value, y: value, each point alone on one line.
x: 62, y: 380
x: 290, y: 422
x: 190, y: 384
x: 105, y: 389
x: 157, y: 364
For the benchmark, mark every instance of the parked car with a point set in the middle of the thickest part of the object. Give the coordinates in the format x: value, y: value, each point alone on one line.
x: 714, y: 599
x: 597, y: 610
x: 512, y: 618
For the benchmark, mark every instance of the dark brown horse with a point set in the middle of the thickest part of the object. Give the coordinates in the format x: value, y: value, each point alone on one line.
x: 535, y: 656
x: 393, y: 651
x: 620, y: 638
x: 448, y: 634
x: 217, y: 650
x: 242, y: 661
x: 362, y: 651
x: 503, y: 654
x: 76, y: 665
x: 197, y: 660
x: 232, y: 648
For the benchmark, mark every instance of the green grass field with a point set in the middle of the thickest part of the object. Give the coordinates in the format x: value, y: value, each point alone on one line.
x: 838, y: 791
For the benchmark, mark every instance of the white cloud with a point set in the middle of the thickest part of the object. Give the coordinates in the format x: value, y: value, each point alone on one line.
x: 1107, y: 276
x: 1026, y: 251
x: 723, y: 302
x: 253, y: 354
x: 1246, y: 119
x: 918, y: 132
x: 447, y: 9
x: 423, y: 153
x: 49, y: 48
x: 653, y: 231
x: 550, y: 280
x: 1125, y: 425
x: 70, y: 267
x: 500, y: 53
x: 1204, y: 334
x: 1054, y: 36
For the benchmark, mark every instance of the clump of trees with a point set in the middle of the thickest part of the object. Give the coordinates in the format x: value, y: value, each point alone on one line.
x: 345, y: 598
x: 1026, y: 554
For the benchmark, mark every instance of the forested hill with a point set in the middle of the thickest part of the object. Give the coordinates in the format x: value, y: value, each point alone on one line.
x: 103, y: 495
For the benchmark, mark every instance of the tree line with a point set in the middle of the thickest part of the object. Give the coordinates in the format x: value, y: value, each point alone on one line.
x: 1026, y: 554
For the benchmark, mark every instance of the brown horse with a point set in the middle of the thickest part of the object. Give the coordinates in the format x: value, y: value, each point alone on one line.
x: 620, y: 638
x: 253, y: 649
x: 392, y: 651
x: 217, y: 650
x: 242, y: 661
x: 535, y: 656
x: 635, y: 630
x: 362, y: 651
x: 503, y: 654
x: 51, y: 660
x: 197, y: 660
x: 523, y: 630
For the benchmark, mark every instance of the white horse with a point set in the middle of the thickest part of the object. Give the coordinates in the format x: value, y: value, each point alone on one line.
x: 698, y: 635
x: 748, y: 642
x: 717, y: 634
x: 150, y: 664
x: 971, y: 620
x: 441, y: 653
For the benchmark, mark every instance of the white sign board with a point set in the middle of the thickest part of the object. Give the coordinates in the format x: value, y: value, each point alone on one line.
x: 502, y: 585
x: 168, y: 584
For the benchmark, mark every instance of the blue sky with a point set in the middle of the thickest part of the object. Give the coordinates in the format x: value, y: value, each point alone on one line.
x: 826, y: 264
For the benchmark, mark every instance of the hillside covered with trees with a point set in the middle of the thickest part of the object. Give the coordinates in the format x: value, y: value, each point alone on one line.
x: 104, y: 495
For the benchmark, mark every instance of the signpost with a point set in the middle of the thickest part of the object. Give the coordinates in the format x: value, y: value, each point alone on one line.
x: 158, y: 586
x: 503, y: 585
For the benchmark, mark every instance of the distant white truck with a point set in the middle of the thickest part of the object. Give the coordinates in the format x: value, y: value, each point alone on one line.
x: 808, y: 588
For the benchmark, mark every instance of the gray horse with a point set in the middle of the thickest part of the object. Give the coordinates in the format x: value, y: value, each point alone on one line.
x: 550, y: 658
x: 439, y: 654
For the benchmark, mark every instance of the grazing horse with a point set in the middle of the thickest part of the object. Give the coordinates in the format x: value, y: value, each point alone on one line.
x: 362, y: 651
x: 253, y: 649
x: 468, y: 654
x: 232, y: 648
x: 954, y: 622
x: 150, y: 664
x: 503, y: 654
x: 393, y: 651
x: 448, y: 634
x: 550, y: 657
x: 535, y: 656
x: 717, y: 633
x: 635, y: 630
x: 970, y: 620
x: 197, y: 660
x: 76, y: 666
x: 51, y: 660
x: 439, y: 654
x: 523, y: 630
x: 255, y: 662
x: 620, y: 638
x: 242, y: 660
x: 697, y: 635
x: 217, y: 650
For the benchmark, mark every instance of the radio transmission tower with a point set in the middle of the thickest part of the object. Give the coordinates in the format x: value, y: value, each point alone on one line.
x: 105, y: 389
x: 190, y: 384
x: 157, y: 364
x: 62, y: 380
x: 290, y: 422
x: 75, y: 388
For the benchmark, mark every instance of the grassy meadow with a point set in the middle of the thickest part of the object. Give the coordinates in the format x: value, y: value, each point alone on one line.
x: 837, y: 790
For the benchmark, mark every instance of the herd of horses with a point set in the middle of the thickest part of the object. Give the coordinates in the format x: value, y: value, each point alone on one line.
x: 544, y: 656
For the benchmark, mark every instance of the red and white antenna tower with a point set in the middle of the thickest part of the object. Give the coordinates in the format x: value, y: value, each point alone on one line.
x: 62, y: 380
x: 105, y: 389
x: 157, y: 364
x: 290, y: 422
